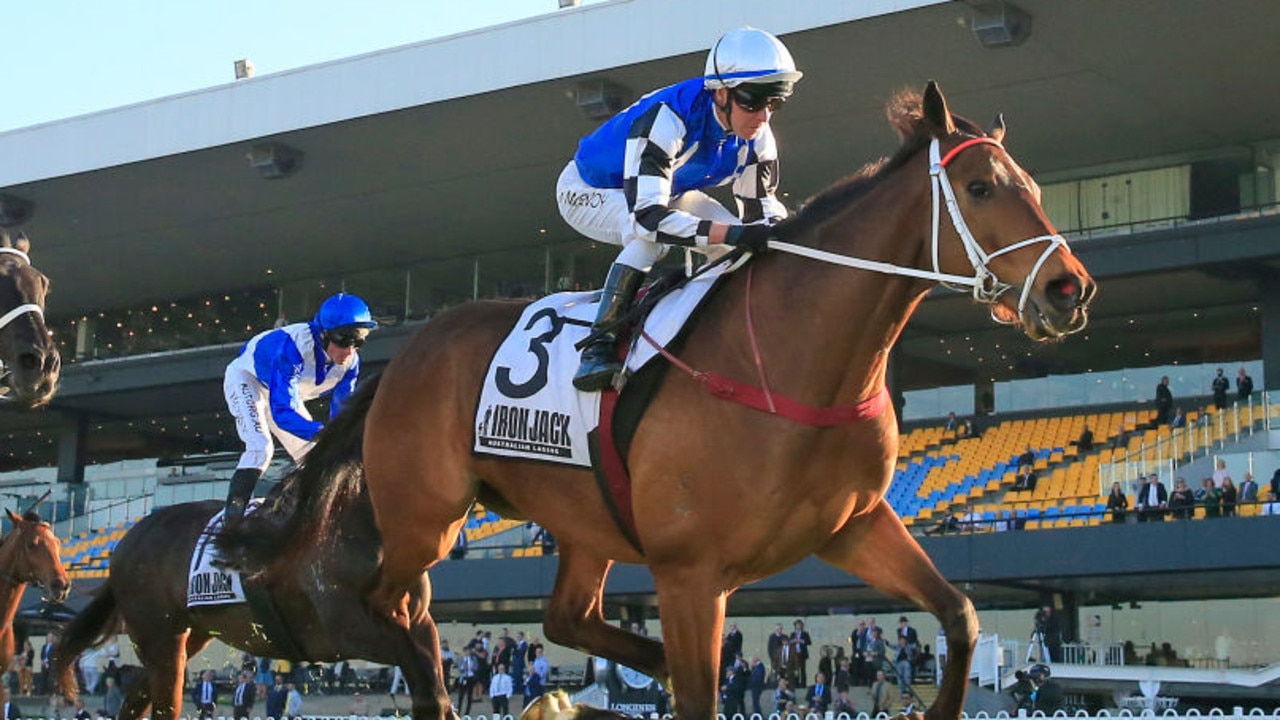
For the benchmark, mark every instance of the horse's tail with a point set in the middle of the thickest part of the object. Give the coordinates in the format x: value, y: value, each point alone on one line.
x: 313, y: 499
x: 90, y: 627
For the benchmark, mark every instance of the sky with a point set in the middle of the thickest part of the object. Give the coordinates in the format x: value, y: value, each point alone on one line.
x: 71, y: 57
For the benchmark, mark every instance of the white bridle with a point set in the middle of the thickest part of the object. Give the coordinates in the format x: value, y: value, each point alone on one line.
x: 21, y: 309
x: 987, y: 287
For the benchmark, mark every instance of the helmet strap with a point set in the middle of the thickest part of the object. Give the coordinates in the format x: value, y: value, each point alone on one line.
x: 726, y: 108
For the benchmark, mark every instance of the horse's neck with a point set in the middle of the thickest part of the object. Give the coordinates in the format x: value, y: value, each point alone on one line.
x: 840, y: 322
x: 10, y: 598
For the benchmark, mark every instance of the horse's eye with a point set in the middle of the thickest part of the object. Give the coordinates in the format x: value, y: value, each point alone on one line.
x: 979, y: 189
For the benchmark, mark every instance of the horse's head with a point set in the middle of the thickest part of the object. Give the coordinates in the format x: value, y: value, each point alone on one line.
x: 31, y: 553
x: 998, y: 237
x: 27, y: 351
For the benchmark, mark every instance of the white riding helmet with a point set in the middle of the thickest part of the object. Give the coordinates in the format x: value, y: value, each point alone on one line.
x: 749, y: 55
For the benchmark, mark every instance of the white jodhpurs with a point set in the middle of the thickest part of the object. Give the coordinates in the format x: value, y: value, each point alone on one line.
x: 602, y: 214
x: 247, y: 400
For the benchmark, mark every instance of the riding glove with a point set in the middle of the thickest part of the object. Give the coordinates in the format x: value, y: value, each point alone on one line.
x: 749, y: 237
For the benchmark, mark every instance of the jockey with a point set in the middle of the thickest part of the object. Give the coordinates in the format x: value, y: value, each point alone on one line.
x: 279, y: 370
x: 636, y: 181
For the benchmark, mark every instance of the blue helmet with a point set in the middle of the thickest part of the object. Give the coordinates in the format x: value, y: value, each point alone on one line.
x: 344, y: 310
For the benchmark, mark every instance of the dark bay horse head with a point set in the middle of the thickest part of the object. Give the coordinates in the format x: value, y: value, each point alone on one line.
x: 988, y: 231
x: 27, y: 351
x: 31, y: 553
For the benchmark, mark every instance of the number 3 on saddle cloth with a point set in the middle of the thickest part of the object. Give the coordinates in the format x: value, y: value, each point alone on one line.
x: 529, y: 408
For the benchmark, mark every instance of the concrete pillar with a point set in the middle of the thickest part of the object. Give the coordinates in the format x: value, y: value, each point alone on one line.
x: 72, y: 430
x: 1270, y: 335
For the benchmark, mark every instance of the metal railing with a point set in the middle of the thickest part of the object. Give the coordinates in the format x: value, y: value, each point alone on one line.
x: 1209, y: 433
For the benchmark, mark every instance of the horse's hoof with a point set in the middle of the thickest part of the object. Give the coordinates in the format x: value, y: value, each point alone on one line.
x: 554, y: 705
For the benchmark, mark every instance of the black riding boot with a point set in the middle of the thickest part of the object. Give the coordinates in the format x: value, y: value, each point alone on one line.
x: 600, y: 358
x: 242, y: 484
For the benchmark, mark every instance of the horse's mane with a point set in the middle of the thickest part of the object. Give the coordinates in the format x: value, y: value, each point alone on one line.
x: 906, y: 113
x: 311, y: 502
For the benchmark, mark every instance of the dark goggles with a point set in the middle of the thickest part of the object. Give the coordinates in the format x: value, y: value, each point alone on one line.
x: 753, y: 102
x: 346, y: 340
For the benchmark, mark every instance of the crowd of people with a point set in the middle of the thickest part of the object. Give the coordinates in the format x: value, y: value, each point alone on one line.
x: 1218, y: 495
x: 884, y: 666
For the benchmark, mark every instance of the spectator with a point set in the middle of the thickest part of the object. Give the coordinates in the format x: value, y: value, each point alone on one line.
x: 1220, y: 386
x: 1026, y: 480
x: 1248, y: 489
x: 1179, y: 419
x: 1117, y: 503
x: 1164, y: 402
x: 501, y: 688
x: 533, y: 688
x: 205, y: 696
x: 89, y: 670
x: 801, y: 642
x: 1273, y: 486
x: 293, y: 701
x: 468, y: 676
x: 1229, y: 497
x: 1182, y: 503
x: 1244, y: 386
x: 1152, y: 500
x: 843, y: 679
x: 843, y: 705
x: 1085, y: 441
x: 877, y: 651
x: 113, y: 698
x: 881, y: 695
x: 952, y: 423
x: 902, y: 658
x: 1050, y: 631
x: 1121, y: 440
x: 1220, y: 473
x: 948, y: 523
x: 971, y: 520
x: 782, y: 696
x: 1211, y: 497
x: 277, y: 697
x: 756, y: 684
x: 1027, y: 459
x: 819, y: 697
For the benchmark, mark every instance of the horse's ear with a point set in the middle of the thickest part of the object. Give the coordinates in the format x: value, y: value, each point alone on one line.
x: 4, y: 239
x: 997, y: 128
x: 23, y: 243
x: 13, y: 517
x: 936, y: 114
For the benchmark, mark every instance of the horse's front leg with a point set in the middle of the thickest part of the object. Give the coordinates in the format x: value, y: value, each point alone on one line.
x: 692, y: 619
x: 575, y: 616
x: 877, y: 547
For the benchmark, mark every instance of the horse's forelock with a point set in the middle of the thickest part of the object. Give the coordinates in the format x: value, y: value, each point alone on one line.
x: 905, y: 111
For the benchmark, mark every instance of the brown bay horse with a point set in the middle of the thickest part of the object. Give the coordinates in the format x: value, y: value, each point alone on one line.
x: 318, y: 602
x: 723, y: 494
x: 30, y: 553
x: 29, y: 357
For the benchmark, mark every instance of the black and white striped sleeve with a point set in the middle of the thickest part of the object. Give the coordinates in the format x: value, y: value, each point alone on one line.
x: 755, y: 188
x: 656, y: 138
